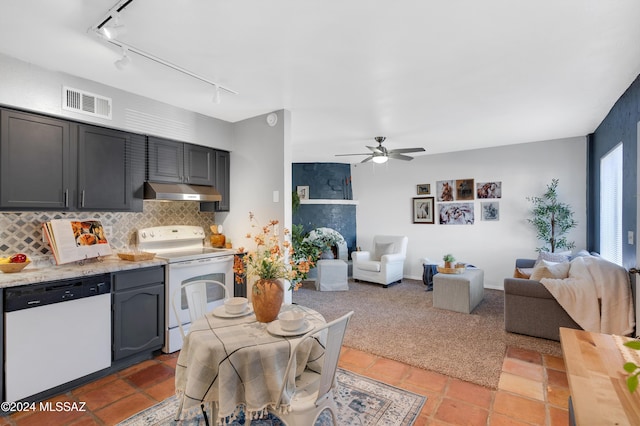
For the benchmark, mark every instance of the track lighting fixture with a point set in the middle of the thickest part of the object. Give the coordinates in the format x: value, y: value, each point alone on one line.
x: 113, y: 29
x: 124, y: 61
x: 111, y: 26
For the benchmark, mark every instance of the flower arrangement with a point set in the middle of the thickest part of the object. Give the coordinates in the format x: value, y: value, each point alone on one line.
x: 324, y: 238
x: 271, y: 258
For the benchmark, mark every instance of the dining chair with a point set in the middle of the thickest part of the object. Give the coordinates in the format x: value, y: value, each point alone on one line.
x: 313, y: 391
x: 195, y: 293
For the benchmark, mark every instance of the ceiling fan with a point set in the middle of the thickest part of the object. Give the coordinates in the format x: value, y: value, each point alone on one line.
x: 380, y: 154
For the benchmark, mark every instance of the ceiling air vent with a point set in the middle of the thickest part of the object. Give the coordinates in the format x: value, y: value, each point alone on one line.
x: 86, y: 103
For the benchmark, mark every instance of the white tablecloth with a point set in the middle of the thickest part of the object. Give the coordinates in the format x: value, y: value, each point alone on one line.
x: 236, y: 362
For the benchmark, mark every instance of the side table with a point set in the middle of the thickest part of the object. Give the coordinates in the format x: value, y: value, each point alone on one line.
x: 332, y: 275
x: 458, y: 292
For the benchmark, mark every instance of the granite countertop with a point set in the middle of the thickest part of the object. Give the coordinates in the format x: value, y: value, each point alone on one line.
x: 43, y: 269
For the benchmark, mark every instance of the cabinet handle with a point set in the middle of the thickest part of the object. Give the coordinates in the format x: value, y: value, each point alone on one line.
x: 82, y: 199
x: 66, y: 197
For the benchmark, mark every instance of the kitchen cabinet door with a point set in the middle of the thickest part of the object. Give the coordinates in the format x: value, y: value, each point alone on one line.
x: 177, y: 162
x: 199, y: 165
x: 165, y: 160
x: 104, y: 169
x: 222, y: 183
x: 36, y: 162
x: 138, y: 311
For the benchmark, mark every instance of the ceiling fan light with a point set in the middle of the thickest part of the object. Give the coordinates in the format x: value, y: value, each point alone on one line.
x: 380, y: 159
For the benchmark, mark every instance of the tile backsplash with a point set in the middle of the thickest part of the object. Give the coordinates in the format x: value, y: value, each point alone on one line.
x: 22, y: 231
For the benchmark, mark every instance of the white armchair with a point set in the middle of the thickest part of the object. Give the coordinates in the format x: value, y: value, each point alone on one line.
x: 384, y: 264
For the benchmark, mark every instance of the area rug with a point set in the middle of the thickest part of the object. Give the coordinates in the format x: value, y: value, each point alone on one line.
x: 360, y: 400
x: 400, y: 323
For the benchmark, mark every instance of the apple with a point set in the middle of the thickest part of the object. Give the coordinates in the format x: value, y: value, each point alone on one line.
x: 18, y: 258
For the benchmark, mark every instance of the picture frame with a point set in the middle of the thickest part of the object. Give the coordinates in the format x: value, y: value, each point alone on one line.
x: 423, y: 210
x: 423, y: 189
x: 489, y: 189
x: 490, y: 210
x: 446, y: 190
x: 456, y: 213
x: 465, y: 189
x: 303, y: 192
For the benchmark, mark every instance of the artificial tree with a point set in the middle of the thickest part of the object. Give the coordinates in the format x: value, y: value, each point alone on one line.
x: 552, y: 220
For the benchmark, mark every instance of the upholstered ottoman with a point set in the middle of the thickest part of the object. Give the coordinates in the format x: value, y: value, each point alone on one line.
x: 458, y: 292
x: 332, y: 275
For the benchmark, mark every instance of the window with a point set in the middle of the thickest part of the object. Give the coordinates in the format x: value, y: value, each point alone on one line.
x: 611, y: 205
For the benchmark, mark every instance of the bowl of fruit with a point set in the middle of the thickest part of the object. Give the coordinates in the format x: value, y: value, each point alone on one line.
x: 15, y: 263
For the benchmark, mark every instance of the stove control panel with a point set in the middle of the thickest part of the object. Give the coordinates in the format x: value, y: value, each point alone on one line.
x: 170, y: 233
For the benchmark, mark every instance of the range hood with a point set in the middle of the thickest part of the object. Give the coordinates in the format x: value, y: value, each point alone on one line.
x: 180, y: 192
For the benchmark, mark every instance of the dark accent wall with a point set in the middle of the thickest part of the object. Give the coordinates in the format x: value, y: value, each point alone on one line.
x: 329, y: 181
x: 620, y: 125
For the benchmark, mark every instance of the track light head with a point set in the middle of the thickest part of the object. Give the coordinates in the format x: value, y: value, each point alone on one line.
x: 216, y: 95
x: 113, y: 29
x: 124, y: 61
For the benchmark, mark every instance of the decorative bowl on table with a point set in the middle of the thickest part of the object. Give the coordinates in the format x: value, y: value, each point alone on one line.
x: 9, y: 268
x: 291, y: 320
x: 235, y: 305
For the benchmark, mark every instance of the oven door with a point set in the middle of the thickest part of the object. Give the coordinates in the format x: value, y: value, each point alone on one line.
x: 212, y: 268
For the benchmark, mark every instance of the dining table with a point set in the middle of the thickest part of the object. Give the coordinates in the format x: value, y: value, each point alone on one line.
x: 231, y: 363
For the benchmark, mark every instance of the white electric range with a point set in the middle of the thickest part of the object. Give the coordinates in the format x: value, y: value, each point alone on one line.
x: 188, y: 259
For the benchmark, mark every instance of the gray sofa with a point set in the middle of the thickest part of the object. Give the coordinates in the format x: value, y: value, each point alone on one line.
x: 530, y: 309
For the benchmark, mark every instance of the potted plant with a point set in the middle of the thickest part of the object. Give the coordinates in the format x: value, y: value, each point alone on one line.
x: 325, y: 240
x: 552, y: 220
x: 448, y: 260
x: 270, y: 262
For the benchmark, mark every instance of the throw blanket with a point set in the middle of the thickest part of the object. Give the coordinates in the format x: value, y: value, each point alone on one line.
x: 592, y: 279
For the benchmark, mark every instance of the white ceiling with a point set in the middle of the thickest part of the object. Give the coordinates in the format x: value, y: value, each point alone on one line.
x: 443, y: 75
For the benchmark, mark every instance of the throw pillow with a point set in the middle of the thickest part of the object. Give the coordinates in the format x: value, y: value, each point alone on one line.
x: 522, y: 273
x: 550, y: 270
x: 382, y: 249
x: 552, y: 257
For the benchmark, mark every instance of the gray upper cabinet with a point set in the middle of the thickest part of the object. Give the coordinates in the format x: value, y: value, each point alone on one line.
x: 36, y: 162
x: 222, y: 173
x: 179, y: 162
x: 52, y: 164
x: 104, y: 169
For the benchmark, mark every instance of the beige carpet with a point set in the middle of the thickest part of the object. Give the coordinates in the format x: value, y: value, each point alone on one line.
x: 401, y: 323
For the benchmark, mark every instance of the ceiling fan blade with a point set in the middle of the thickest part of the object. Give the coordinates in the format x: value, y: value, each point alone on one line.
x: 346, y: 155
x: 397, y: 156
x: 376, y: 149
x: 407, y: 150
x: 367, y: 159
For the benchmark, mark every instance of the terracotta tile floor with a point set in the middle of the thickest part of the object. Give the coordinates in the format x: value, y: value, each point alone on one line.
x: 533, y: 390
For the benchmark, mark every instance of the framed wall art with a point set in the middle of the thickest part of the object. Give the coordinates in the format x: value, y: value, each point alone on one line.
x: 423, y: 189
x: 464, y: 189
x: 490, y: 210
x: 446, y: 190
x: 423, y: 209
x: 456, y: 214
x: 489, y: 190
x: 303, y: 192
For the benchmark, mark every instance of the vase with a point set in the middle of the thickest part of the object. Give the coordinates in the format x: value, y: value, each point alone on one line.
x: 266, y: 297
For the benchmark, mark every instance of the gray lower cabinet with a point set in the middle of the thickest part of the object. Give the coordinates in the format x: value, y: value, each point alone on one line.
x: 178, y: 162
x: 138, y: 311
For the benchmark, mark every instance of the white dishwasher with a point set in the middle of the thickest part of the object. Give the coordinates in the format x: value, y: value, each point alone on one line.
x: 56, y: 332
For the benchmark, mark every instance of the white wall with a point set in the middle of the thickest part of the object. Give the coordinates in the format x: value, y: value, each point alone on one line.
x: 385, y: 195
x: 36, y: 89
